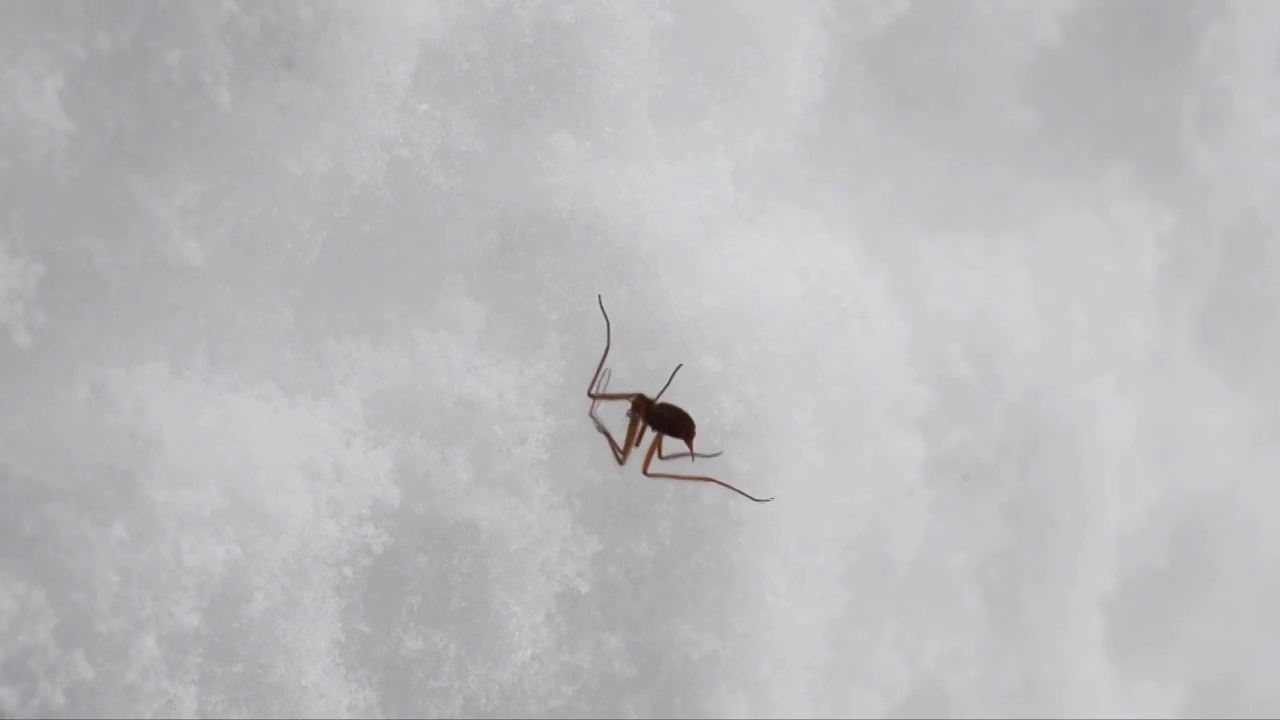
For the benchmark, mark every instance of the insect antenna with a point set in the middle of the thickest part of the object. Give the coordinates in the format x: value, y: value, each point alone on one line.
x: 664, y: 387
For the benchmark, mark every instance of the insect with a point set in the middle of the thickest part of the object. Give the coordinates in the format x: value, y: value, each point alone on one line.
x: 665, y: 419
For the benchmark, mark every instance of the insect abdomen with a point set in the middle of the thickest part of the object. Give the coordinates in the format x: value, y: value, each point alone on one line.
x: 671, y: 421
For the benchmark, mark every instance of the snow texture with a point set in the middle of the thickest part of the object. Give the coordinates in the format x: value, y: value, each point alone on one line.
x: 298, y: 312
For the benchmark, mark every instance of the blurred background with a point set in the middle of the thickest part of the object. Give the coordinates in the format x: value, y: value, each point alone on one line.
x: 298, y: 311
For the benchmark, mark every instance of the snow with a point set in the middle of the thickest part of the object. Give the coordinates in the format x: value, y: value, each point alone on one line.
x: 297, y: 311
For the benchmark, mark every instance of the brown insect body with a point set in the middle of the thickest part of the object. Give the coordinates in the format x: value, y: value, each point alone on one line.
x: 665, y: 419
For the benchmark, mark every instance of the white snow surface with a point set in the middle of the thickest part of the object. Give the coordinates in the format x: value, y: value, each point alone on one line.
x: 298, y: 314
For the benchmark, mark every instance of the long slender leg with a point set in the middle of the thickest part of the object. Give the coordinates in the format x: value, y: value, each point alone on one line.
x: 620, y: 453
x: 608, y: 339
x: 595, y: 391
x: 599, y: 387
x: 686, y: 454
x: 656, y: 449
x: 677, y: 456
